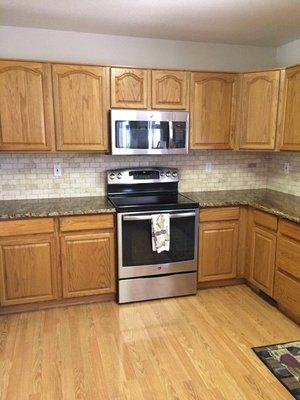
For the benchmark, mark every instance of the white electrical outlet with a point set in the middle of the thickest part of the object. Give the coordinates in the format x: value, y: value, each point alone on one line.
x: 208, y: 167
x: 57, y: 170
x: 286, y: 168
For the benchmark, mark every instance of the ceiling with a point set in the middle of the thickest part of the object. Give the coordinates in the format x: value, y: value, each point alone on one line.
x: 248, y: 22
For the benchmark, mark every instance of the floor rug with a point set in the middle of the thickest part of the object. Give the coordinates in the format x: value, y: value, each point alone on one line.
x: 283, y: 360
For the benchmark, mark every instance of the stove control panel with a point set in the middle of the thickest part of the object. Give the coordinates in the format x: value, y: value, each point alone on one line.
x: 142, y: 175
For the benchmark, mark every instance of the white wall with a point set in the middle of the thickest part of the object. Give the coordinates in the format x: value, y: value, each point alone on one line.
x: 43, y: 44
x: 288, y: 54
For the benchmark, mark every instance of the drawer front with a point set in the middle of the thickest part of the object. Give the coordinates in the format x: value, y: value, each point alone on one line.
x: 26, y: 227
x: 264, y: 219
x: 287, y: 293
x: 288, y: 256
x: 86, y: 222
x: 289, y: 229
x: 219, y: 214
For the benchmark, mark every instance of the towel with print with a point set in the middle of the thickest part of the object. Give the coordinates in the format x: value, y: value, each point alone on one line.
x: 160, y: 227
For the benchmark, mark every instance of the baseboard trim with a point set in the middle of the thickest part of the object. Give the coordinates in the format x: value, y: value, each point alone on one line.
x: 4, y: 310
x: 221, y: 283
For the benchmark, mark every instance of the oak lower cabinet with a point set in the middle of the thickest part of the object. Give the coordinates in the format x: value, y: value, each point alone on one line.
x: 287, y: 276
x: 81, y: 106
x: 26, y: 106
x: 290, y: 115
x: 263, y: 250
x: 28, y: 261
x: 213, y: 110
x: 88, y: 255
x: 257, y: 119
x: 218, y: 244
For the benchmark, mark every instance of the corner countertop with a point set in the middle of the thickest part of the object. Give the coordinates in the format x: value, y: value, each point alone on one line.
x: 278, y: 203
x: 33, y: 208
x: 281, y: 204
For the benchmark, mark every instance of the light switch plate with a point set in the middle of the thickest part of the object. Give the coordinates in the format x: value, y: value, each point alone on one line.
x: 286, y: 168
x: 208, y: 167
x: 57, y: 170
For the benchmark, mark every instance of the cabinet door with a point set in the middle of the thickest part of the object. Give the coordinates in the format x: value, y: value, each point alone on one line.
x: 290, y: 115
x: 28, y: 268
x: 80, y: 102
x: 258, y: 112
x: 170, y: 89
x: 213, y: 109
x: 130, y: 88
x: 26, y: 106
x: 262, y: 268
x: 217, y: 250
x: 88, y: 264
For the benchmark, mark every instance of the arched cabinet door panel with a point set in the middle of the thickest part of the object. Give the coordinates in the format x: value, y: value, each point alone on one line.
x: 170, y: 90
x: 213, y: 110
x: 81, y: 107
x: 258, y: 110
x: 130, y: 88
x: 290, y: 114
x: 26, y: 106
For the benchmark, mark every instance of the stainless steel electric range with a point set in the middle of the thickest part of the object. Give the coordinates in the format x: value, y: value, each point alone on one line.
x: 144, y: 274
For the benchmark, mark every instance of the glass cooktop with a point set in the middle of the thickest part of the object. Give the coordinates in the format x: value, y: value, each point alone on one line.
x: 154, y: 201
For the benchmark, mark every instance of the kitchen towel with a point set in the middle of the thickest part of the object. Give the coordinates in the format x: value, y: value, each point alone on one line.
x: 160, y: 229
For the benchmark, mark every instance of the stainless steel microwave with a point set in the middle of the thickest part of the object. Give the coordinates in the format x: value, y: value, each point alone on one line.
x: 149, y: 132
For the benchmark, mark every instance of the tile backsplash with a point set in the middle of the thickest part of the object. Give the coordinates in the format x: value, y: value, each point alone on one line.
x: 277, y: 179
x: 31, y: 175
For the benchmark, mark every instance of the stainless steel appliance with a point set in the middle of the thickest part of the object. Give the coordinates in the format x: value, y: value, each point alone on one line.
x: 149, y: 132
x: 143, y: 274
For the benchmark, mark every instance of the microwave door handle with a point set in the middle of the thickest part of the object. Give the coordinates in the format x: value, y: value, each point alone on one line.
x: 148, y: 217
x: 170, y: 133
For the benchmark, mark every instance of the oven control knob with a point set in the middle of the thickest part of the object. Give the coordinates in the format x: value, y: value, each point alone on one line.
x: 174, y: 174
x: 112, y: 176
x: 119, y: 176
x: 168, y: 174
x: 162, y: 173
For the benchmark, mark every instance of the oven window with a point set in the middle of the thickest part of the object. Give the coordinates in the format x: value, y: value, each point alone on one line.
x: 137, y: 244
x: 142, y: 134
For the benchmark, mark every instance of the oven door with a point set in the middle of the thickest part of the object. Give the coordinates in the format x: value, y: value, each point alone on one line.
x: 136, y: 257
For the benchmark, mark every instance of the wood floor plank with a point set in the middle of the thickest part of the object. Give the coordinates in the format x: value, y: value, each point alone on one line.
x: 188, y: 348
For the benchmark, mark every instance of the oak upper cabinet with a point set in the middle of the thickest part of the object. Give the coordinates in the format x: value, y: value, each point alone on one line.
x: 28, y: 261
x: 81, y: 107
x: 88, y: 255
x: 290, y: 112
x: 258, y: 110
x: 263, y: 249
x: 213, y: 110
x: 170, y: 90
x: 130, y: 88
x: 218, y: 243
x: 26, y: 106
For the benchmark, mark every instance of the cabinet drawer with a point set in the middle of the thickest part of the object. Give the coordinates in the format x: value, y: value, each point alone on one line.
x: 219, y: 214
x: 287, y: 293
x: 288, y: 256
x: 290, y: 229
x: 264, y: 219
x: 26, y: 227
x: 86, y: 222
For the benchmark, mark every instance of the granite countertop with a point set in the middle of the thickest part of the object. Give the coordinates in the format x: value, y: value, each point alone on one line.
x: 281, y: 204
x: 278, y: 203
x: 14, y: 209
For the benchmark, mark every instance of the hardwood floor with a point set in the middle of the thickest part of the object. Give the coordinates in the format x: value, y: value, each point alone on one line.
x: 196, y: 347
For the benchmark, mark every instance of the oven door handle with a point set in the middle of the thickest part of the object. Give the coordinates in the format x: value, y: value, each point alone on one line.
x: 149, y: 217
